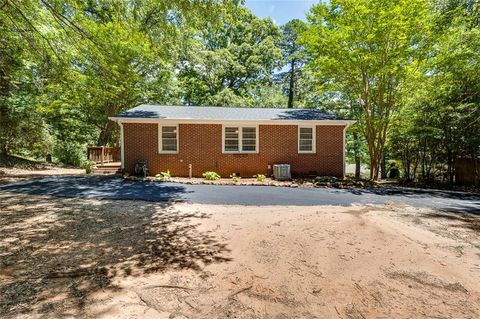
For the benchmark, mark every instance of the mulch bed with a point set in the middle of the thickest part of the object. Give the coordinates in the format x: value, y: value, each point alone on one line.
x: 304, y: 182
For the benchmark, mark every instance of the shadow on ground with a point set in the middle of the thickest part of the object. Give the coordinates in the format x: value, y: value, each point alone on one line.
x: 454, y: 202
x: 457, y: 218
x: 414, y: 192
x: 111, y: 188
x: 55, y: 252
x: 99, y: 187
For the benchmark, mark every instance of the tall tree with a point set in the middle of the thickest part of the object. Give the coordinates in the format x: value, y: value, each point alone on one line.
x: 293, y: 57
x: 369, y: 46
x: 445, y: 107
x: 95, y: 58
x: 227, y: 62
x: 129, y: 58
x: 22, y: 48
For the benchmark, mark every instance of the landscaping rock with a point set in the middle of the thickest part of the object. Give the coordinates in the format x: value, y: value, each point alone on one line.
x: 325, y: 179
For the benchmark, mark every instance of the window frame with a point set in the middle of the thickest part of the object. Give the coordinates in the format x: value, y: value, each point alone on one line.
x: 314, y: 139
x: 240, y: 139
x: 160, y: 138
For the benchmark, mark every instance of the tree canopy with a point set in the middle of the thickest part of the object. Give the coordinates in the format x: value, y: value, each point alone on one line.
x: 225, y: 63
x: 370, y: 47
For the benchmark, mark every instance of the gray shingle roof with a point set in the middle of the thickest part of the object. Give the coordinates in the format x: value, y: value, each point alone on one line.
x: 225, y: 113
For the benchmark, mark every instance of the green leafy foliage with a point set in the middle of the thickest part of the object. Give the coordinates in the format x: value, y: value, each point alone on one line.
x: 211, y: 176
x: 367, y: 49
x: 164, y: 176
x: 69, y: 65
x: 260, y: 177
x: 89, y: 166
x: 293, y: 60
x: 405, y: 70
x: 445, y: 107
x: 226, y: 61
x: 70, y: 154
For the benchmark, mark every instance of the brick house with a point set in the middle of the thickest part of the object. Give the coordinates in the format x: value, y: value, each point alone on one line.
x: 244, y: 141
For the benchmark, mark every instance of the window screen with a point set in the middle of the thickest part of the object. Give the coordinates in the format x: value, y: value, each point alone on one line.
x: 169, y: 138
x: 305, y: 139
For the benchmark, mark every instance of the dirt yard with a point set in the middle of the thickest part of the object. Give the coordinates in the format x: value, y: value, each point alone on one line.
x: 129, y: 259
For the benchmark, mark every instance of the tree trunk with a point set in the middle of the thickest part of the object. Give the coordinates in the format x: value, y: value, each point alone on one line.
x: 415, y: 169
x: 374, y: 166
x: 476, y: 170
x: 5, y: 122
x: 356, y: 144
x: 106, y: 134
x: 292, y: 84
x: 375, y: 151
x: 374, y: 172
x: 450, y: 166
x: 383, y: 166
x: 4, y: 149
x: 406, y: 162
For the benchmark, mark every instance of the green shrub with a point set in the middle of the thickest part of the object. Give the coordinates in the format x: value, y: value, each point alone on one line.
x: 235, y: 179
x: 260, y: 177
x: 70, y: 154
x: 164, y: 176
x: 211, y: 176
x: 88, y: 166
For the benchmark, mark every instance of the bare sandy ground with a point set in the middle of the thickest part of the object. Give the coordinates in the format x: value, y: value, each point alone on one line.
x: 124, y: 259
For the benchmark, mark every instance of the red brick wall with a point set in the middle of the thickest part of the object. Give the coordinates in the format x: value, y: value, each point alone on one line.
x: 201, y: 146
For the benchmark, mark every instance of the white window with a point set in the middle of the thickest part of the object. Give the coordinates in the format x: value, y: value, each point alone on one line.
x: 237, y: 139
x: 168, y: 139
x: 306, y: 139
x: 249, y: 139
x: 231, y: 142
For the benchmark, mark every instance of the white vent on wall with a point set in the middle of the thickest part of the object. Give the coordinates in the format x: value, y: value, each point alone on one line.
x: 281, y: 171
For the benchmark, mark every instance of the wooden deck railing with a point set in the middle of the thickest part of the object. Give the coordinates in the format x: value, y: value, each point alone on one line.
x: 103, y: 154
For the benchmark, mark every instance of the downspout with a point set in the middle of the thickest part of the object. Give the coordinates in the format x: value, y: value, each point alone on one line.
x: 122, y: 146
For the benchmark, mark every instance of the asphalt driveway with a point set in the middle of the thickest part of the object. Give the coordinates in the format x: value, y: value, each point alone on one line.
x: 114, y: 188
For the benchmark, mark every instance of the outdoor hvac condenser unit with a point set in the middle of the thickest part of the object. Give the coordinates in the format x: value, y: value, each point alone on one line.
x: 281, y: 171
